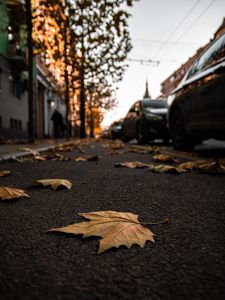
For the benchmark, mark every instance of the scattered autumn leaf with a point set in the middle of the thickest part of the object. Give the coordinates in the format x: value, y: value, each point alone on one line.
x: 212, y: 167
x: 131, y: 164
x: 139, y: 151
x: 15, y: 159
x: 87, y: 158
x: 115, y: 228
x: 117, y: 145
x: 148, y: 149
x: 4, y: 173
x: 191, y: 165
x: 166, y: 169
x: 7, y: 193
x: 26, y: 149
x: 54, y: 183
x: 164, y: 158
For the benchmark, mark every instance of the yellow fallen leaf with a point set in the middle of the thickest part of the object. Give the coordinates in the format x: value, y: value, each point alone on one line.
x: 131, y: 164
x: 26, y: 149
x: 54, y: 183
x: 212, y: 167
x: 87, y: 158
x: 7, y: 193
x: 115, y: 228
x: 149, y: 149
x: 166, y: 169
x: 117, y: 145
x: 191, y: 165
x: 164, y: 158
x: 4, y: 173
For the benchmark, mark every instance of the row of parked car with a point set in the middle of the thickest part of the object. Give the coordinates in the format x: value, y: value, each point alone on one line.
x: 194, y: 112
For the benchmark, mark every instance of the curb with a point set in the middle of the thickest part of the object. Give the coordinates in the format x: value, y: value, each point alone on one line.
x: 17, y: 154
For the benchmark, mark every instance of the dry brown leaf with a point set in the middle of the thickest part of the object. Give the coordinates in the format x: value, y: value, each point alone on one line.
x: 191, y: 165
x: 54, y: 183
x: 212, y: 167
x: 4, y: 173
x: 7, y: 193
x: 115, y: 228
x: 117, y: 146
x: 164, y: 158
x: 149, y: 149
x: 87, y: 158
x: 166, y: 169
x: 131, y: 164
x: 26, y: 149
x: 139, y: 151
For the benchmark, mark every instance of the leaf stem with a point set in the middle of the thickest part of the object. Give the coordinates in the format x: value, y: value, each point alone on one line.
x: 166, y: 220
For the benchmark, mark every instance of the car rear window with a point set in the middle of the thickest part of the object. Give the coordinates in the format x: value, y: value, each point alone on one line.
x: 154, y: 103
x: 211, y: 56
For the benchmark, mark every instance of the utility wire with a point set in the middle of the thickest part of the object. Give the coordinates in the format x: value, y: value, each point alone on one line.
x: 189, y: 27
x: 177, y: 27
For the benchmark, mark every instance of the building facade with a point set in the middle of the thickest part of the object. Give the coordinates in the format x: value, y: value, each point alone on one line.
x: 14, y: 80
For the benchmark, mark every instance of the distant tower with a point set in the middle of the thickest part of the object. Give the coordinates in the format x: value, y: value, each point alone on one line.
x: 146, y: 94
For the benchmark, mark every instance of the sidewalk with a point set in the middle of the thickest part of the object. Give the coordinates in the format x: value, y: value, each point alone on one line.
x: 8, y: 150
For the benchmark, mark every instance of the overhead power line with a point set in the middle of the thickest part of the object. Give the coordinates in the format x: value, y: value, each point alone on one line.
x: 189, y: 27
x: 144, y: 61
x: 177, y: 28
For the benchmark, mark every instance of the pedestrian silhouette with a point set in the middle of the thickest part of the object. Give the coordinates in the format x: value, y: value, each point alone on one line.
x: 58, y: 124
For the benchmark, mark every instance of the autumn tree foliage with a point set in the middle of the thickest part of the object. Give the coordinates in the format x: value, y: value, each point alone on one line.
x: 89, y: 41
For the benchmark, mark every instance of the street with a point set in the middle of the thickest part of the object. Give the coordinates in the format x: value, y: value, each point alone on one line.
x: 187, y: 260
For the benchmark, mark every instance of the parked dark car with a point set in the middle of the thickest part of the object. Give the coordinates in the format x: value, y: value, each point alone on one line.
x: 197, y: 107
x: 146, y: 121
x: 115, y: 129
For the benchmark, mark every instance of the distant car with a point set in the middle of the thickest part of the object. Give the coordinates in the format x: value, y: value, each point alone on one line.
x: 197, y: 107
x: 115, y: 129
x: 146, y: 121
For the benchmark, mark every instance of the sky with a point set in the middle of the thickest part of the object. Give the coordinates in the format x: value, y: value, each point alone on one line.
x: 166, y: 32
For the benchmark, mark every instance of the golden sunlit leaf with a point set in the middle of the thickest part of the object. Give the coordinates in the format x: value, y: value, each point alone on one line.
x: 4, y: 173
x: 117, y: 146
x: 131, y: 164
x: 7, y: 193
x: 26, y: 149
x: 39, y: 158
x: 164, y: 158
x: 115, y: 228
x: 166, y: 169
x: 54, y: 183
x: 149, y: 149
x: 87, y: 158
x: 212, y: 167
x: 191, y: 165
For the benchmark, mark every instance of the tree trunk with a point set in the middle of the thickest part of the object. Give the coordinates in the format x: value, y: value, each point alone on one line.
x: 82, y: 96
x: 30, y: 71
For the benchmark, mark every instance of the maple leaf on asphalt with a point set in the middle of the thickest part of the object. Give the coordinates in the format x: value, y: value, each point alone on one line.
x: 4, y: 173
x: 131, y: 164
x: 212, y: 167
x: 54, y: 183
x: 87, y: 158
x: 191, y: 165
x: 7, y: 193
x: 166, y: 169
x: 115, y: 228
x: 164, y: 158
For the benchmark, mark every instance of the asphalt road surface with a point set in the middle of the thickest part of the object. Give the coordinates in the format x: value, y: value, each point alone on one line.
x: 187, y: 260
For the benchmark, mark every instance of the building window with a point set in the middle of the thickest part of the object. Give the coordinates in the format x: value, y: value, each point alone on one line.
x: 15, y: 86
x: 15, y: 124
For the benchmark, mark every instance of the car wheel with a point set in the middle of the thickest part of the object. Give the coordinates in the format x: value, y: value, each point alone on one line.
x: 180, y: 139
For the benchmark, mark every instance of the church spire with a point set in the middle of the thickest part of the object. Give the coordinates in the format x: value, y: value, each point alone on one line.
x: 146, y: 94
